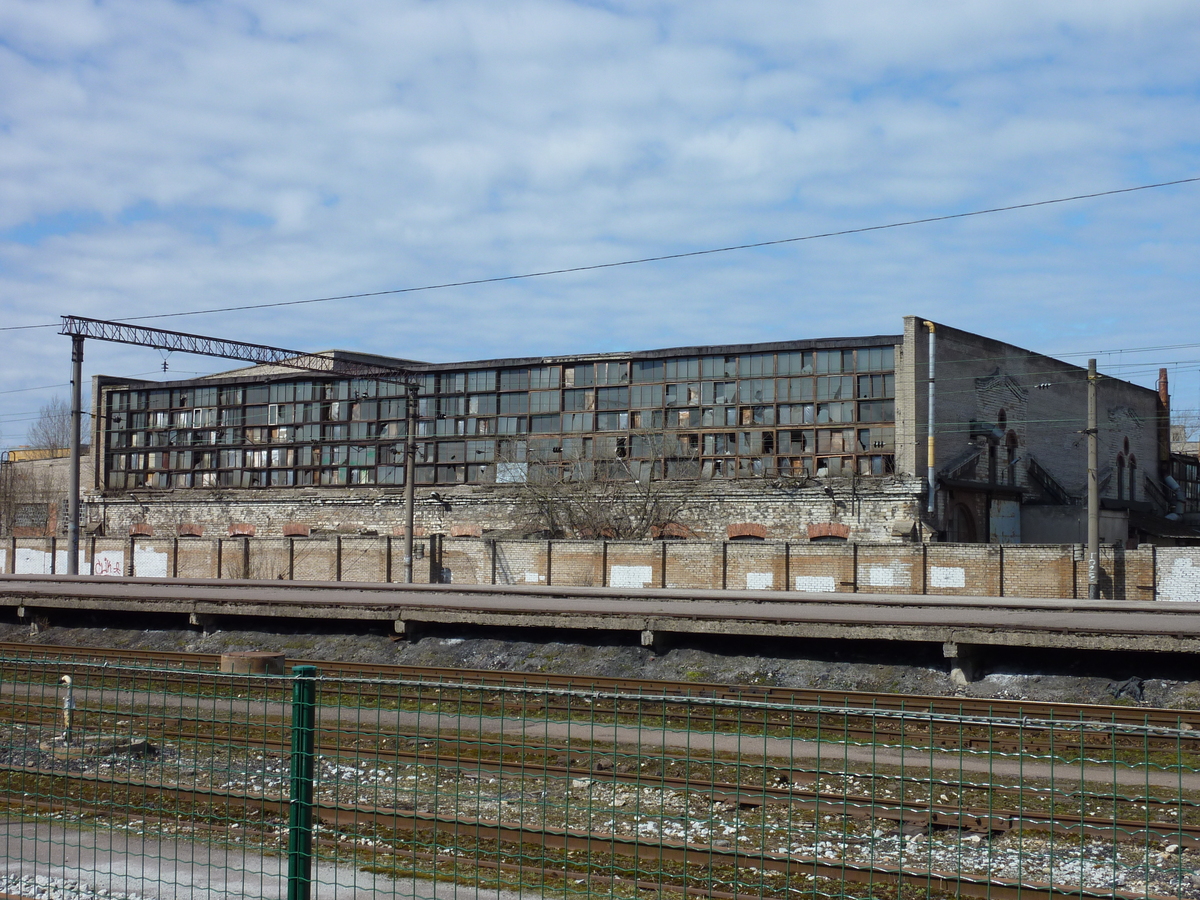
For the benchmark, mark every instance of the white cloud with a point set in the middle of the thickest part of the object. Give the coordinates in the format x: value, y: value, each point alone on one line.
x: 160, y: 156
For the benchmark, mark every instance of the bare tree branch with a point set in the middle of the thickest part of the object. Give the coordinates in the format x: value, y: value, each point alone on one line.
x: 601, y: 492
x: 52, y: 429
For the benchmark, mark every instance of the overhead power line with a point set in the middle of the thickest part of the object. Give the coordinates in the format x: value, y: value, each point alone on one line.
x: 641, y: 260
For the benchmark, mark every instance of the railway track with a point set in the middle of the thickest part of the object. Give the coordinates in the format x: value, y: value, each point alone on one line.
x: 832, y: 699
x: 803, y: 798
x: 1051, y: 729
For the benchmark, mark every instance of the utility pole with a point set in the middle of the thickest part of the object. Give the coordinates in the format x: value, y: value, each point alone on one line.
x: 931, y: 456
x: 76, y: 454
x: 1093, y: 487
x: 410, y: 473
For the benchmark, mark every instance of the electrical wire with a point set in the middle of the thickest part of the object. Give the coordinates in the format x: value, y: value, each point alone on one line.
x: 646, y: 259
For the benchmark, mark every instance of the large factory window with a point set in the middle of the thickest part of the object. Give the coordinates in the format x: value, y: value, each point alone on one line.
x: 746, y: 415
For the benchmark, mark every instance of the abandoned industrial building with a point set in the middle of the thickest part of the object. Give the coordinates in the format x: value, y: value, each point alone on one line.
x: 804, y: 439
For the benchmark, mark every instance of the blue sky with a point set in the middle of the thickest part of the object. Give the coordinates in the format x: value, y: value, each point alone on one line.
x: 160, y: 156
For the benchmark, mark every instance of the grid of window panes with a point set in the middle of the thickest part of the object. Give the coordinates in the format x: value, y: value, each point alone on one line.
x: 281, y: 434
x: 744, y: 415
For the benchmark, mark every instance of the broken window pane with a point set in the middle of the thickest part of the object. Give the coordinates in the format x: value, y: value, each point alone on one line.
x: 577, y: 422
x: 481, y: 451
x: 718, y: 367
x: 612, y: 421
x: 482, y: 404
x: 583, y: 375
x: 650, y: 418
x: 835, y: 412
x: 758, y: 390
x: 612, y: 373
x: 511, y: 472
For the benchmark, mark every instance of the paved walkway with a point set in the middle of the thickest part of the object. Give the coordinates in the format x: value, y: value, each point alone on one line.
x: 165, y: 869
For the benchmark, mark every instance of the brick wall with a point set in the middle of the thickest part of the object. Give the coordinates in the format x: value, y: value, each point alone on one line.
x: 867, y: 508
x: 987, y: 570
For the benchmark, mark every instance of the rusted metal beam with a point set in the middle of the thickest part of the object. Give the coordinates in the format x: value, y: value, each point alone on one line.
x: 202, y: 345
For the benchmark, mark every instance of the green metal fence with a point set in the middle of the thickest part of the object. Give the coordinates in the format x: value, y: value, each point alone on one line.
x: 173, y: 783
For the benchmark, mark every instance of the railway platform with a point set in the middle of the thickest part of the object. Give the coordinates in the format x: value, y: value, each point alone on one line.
x: 960, y: 625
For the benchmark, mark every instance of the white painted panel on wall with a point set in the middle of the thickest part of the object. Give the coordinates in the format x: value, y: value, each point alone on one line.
x: 109, y: 563
x: 149, y: 563
x: 818, y: 583
x: 631, y: 576
x: 32, y: 562
x: 947, y: 577
x: 532, y: 578
x: 760, y: 581
x: 1180, y: 582
x: 893, y: 575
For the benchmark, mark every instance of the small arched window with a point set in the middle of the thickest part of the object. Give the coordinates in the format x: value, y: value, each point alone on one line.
x: 1132, y: 477
x: 1010, y: 462
x: 1120, y: 476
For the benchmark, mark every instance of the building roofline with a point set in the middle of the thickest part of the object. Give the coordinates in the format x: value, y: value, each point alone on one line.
x: 256, y: 372
x: 1014, y: 349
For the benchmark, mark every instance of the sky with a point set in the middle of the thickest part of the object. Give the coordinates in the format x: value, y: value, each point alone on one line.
x: 160, y: 157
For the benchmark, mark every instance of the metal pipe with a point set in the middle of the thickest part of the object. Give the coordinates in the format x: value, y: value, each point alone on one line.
x: 410, y: 456
x: 1093, y: 487
x: 76, y: 454
x: 930, y: 455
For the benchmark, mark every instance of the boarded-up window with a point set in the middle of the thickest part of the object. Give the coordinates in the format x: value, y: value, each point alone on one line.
x: 32, y: 515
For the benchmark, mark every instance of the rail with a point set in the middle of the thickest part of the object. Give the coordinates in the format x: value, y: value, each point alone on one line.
x: 604, y: 791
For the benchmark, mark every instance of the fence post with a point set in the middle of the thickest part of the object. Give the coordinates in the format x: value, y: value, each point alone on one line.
x: 300, y: 816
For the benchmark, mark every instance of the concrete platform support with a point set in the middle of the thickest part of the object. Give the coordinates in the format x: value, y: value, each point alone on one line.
x: 407, y: 629
x: 963, y: 662
x: 36, y: 620
x: 202, y: 620
x: 655, y: 640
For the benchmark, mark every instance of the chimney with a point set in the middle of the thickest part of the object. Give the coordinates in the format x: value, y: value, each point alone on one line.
x: 1164, y: 422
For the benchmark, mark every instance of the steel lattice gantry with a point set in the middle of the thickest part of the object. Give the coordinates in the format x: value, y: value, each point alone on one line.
x: 79, y: 328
